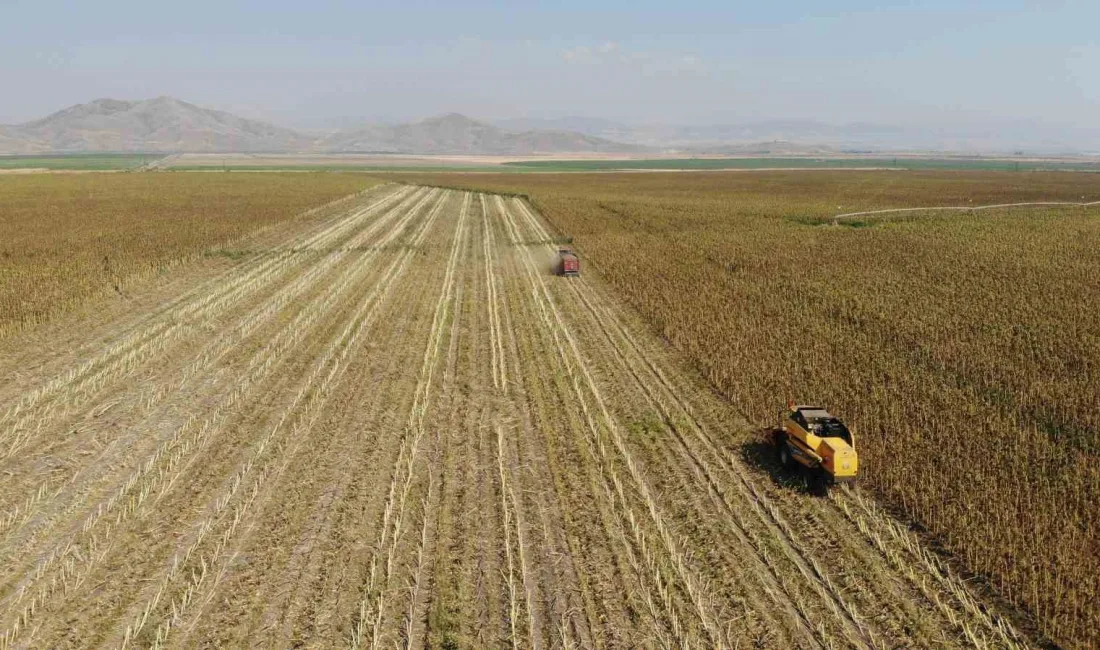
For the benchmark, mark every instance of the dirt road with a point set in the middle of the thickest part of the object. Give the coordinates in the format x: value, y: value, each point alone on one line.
x: 396, y: 428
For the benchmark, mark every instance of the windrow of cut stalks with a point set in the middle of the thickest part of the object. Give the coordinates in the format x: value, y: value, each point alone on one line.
x: 69, y: 237
x: 962, y: 348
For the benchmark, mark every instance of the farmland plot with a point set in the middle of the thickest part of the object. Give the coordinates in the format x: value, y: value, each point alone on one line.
x: 395, y: 428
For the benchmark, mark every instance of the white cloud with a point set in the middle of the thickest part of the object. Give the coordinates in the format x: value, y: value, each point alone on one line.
x: 579, y: 54
x: 649, y: 64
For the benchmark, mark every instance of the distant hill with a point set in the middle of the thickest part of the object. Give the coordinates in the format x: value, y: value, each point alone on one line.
x: 778, y: 136
x: 458, y: 134
x: 12, y: 142
x: 166, y: 124
x: 161, y: 124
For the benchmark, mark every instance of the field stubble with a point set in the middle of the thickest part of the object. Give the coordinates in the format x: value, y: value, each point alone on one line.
x: 395, y: 428
x: 960, y: 345
x: 69, y: 238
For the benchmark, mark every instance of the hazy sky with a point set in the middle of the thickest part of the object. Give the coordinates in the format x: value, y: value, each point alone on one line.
x: 301, y: 63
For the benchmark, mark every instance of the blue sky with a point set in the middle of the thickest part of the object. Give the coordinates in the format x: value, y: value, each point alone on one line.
x: 304, y: 64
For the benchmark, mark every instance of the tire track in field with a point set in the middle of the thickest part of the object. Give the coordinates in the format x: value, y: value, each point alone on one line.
x: 545, y: 397
x: 460, y: 609
x: 306, y: 582
x: 564, y: 605
x: 536, y: 397
x: 552, y: 318
x: 666, y: 619
x: 499, y: 367
x: 375, y: 599
x: 448, y: 605
x: 448, y: 407
x: 161, y: 471
x: 552, y: 592
x: 517, y: 611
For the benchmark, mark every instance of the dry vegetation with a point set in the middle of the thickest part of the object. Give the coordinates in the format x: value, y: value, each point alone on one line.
x: 68, y: 237
x: 391, y: 427
x: 964, y: 348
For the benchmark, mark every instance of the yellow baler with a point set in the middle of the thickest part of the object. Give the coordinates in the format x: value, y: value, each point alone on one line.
x: 810, y: 437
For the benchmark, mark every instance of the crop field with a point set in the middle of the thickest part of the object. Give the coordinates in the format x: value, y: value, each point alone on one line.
x: 78, y: 162
x: 807, y: 162
x: 962, y: 346
x: 391, y: 426
x: 67, y: 238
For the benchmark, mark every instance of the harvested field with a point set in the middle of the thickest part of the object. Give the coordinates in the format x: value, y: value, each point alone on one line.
x: 961, y: 345
x: 392, y: 427
x: 68, y: 238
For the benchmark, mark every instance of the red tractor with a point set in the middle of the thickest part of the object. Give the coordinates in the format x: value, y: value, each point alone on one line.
x: 568, y: 263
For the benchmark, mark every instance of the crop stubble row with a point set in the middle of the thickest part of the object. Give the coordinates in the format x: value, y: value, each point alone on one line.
x: 400, y: 430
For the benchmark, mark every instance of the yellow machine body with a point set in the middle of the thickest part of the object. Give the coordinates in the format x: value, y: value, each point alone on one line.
x: 817, y: 440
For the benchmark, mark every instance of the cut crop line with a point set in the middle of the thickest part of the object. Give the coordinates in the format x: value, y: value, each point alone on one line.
x: 514, y: 612
x: 496, y: 340
x: 74, y: 501
x: 541, y: 232
x: 998, y: 627
x: 815, y: 577
x: 658, y: 404
x: 80, y: 383
x: 771, y: 520
x: 371, y: 610
x: 879, y: 528
x: 198, y: 300
x: 704, y: 472
x: 174, y: 451
x: 195, y: 299
x: 205, y: 359
x: 1006, y: 636
x: 615, y: 498
x: 154, y: 478
x: 334, y: 361
x: 695, y: 589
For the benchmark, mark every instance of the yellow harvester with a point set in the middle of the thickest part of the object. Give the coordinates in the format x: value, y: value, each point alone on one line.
x: 810, y: 437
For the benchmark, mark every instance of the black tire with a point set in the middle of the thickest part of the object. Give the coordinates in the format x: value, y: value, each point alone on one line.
x: 819, y: 483
x: 783, y: 452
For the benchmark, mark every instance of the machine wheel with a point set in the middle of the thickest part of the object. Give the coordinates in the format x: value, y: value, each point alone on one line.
x: 819, y: 483
x: 783, y: 450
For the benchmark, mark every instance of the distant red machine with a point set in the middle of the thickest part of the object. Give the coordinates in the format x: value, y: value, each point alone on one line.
x: 569, y: 264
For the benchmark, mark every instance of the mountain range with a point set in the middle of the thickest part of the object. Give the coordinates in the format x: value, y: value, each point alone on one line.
x: 778, y: 136
x: 165, y: 124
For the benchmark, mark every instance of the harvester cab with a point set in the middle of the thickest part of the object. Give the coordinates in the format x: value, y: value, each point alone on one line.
x: 809, y: 437
x: 567, y: 264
